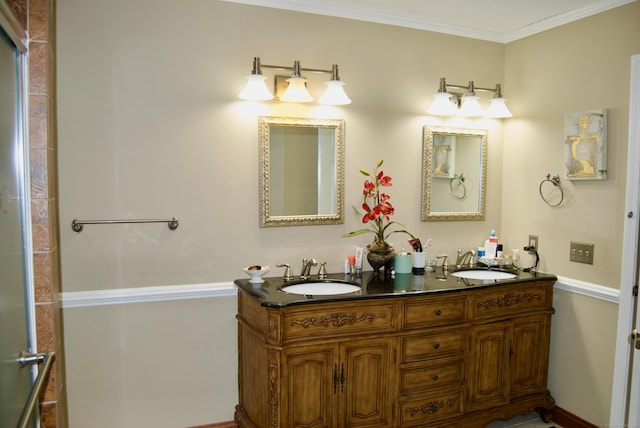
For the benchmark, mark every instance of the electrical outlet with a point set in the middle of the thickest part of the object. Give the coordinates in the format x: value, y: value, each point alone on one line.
x: 533, y: 241
x: 580, y: 252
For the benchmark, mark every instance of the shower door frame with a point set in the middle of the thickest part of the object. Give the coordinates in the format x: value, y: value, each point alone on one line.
x: 16, y: 35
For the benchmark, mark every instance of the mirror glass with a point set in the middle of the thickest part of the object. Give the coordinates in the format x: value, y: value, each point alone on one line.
x: 301, y: 171
x: 454, y: 165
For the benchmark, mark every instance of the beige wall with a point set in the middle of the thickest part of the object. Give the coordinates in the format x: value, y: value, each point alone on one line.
x: 580, y: 66
x: 150, y: 126
x: 162, y: 364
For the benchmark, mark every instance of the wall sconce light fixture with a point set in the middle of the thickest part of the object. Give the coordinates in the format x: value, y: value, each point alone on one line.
x: 466, y: 103
x: 296, y: 91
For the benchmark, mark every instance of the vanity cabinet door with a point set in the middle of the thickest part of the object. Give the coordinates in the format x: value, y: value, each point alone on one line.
x: 310, y: 384
x: 339, y: 384
x: 509, y: 360
x: 369, y: 383
x: 530, y: 359
x: 488, y: 380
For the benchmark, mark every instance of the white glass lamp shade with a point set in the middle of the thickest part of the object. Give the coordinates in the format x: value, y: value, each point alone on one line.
x: 256, y: 89
x: 334, y: 94
x: 470, y: 107
x: 297, y: 91
x: 498, y: 109
x: 442, y: 105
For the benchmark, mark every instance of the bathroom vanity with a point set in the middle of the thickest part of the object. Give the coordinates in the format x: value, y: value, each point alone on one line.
x: 413, y: 351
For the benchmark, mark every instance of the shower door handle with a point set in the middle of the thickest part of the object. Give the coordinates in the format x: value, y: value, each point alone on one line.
x: 27, y: 359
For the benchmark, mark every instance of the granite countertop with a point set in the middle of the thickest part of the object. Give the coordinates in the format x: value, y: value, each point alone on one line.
x: 375, y: 286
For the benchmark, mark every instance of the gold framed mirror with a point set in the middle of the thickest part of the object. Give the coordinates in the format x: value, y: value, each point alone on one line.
x: 301, y: 171
x: 454, y: 173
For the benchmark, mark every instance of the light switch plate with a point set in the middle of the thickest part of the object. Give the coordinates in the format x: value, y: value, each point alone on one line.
x: 581, y: 253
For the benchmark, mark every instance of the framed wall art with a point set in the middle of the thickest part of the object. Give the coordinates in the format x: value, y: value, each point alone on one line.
x: 585, y: 154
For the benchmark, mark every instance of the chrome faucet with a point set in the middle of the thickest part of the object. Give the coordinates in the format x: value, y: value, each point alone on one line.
x: 466, y: 259
x: 306, y: 268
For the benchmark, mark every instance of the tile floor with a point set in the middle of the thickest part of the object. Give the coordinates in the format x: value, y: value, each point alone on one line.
x: 529, y: 421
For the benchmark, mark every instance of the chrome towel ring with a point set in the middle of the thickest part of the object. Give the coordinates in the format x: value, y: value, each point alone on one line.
x: 555, y: 180
x: 457, y: 187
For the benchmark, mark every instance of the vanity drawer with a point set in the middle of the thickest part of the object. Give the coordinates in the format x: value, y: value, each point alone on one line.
x: 514, y: 299
x: 422, y: 347
x: 433, y: 311
x: 437, y: 375
x: 430, y: 409
x: 348, y: 320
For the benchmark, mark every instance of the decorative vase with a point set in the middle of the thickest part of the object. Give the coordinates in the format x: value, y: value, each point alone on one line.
x: 381, y: 259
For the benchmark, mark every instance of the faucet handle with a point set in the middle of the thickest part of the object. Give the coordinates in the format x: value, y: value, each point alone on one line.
x: 472, y: 258
x: 445, y: 263
x: 322, y: 272
x: 288, y: 275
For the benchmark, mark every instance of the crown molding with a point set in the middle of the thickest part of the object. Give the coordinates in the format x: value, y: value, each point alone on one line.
x: 319, y: 7
x: 564, y: 18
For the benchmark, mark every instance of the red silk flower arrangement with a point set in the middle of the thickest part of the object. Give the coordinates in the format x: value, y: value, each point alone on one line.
x: 377, y: 211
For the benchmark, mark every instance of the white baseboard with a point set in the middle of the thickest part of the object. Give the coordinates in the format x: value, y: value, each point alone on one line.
x: 588, y: 289
x: 79, y: 299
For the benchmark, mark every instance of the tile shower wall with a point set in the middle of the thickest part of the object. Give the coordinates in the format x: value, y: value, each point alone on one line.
x: 38, y: 17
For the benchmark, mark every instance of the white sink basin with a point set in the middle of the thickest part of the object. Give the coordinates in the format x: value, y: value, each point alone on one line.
x: 321, y: 288
x: 487, y: 275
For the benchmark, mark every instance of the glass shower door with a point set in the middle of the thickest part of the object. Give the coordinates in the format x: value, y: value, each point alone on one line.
x: 15, y: 248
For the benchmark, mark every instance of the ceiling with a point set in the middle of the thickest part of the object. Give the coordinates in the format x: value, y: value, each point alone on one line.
x: 494, y: 20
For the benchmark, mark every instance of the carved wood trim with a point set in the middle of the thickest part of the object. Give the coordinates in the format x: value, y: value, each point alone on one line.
x: 274, y: 381
x: 431, y: 407
x: 509, y: 300
x: 337, y: 319
x: 273, y: 328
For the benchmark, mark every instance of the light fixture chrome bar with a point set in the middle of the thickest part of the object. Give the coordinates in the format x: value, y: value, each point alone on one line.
x: 466, y: 87
x: 292, y: 69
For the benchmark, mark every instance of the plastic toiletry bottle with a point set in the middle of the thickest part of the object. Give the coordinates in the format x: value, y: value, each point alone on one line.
x: 480, y: 253
x: 491, y: 245
x: 516, y: 258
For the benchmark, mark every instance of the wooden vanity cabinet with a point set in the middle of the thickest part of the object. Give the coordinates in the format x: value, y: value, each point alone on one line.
x: 509, y: 351
x: 452, y: 359
x: 329, y: 364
